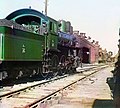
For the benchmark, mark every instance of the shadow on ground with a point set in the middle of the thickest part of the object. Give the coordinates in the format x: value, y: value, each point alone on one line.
x: 103, y: 103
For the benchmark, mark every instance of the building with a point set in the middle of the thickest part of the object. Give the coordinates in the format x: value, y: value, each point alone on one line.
x: 89, y: 50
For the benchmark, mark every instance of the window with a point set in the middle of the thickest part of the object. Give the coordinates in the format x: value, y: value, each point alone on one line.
x: 50, y: 25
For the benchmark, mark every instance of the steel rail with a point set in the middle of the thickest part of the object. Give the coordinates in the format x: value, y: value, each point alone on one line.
x: 29, y: 87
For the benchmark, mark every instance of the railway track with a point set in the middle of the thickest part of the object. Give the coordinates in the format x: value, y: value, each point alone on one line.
x: 39, y: 94
x: 11, y: 90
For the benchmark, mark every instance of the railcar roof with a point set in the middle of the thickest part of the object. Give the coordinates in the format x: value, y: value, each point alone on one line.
x: 24, y: 12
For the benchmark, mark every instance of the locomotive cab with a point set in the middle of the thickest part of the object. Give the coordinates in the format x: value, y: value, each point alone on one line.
x: 31, y: 19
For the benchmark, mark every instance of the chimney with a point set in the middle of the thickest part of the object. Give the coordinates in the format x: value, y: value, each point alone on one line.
x: 96, y: 43
x: 82, y: 34
x: 76, y: 32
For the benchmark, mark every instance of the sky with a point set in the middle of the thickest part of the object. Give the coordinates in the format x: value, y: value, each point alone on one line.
x: 99, y: 19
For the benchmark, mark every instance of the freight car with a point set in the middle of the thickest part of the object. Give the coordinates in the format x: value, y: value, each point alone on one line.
x: 32, y: 44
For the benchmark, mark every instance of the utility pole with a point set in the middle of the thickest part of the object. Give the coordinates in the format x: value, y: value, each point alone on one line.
x: 46, y: 3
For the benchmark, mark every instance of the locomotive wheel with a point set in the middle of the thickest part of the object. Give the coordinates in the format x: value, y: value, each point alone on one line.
x: 43, y: 71
x: 54, y: 65
x: 69, y: 66
x: 62, y: 69
x: 69, y: 69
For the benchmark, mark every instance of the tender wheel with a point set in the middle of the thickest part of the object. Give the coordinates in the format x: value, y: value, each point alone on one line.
x: 34, y: 72
x: 20, y: 74
x: 54, y: 65
x: 3, y: 75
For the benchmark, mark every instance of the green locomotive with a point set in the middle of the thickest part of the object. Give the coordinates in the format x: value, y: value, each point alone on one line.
x: 29, y: 45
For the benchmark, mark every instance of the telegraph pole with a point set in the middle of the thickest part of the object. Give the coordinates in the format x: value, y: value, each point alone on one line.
x: 46, y: 3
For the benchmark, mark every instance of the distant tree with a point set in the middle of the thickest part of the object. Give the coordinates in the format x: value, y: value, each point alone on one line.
x: 110, y: 53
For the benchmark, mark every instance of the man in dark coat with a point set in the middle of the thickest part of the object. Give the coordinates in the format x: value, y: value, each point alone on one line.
x: 116, y: 92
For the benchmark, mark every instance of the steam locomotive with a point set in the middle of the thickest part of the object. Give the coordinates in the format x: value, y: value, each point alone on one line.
x: 32, y: 43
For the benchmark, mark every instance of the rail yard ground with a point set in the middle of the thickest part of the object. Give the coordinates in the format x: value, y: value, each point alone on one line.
x: 93, y: 92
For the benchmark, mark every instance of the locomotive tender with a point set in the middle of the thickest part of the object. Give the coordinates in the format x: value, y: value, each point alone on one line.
x: 32, y: 43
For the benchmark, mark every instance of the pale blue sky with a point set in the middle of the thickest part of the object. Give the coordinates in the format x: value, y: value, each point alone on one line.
x: 100, y: 19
